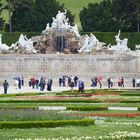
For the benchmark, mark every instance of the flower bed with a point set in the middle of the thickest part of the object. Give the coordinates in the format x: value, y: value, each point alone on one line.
x: 130, y: 115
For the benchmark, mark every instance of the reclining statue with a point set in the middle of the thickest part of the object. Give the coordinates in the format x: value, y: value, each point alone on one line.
x: 91, y: 43
x: 26, y: 44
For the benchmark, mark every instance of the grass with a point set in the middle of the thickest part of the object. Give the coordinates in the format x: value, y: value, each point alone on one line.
x: 76, y: 6
x: 66, y: 132
x: 99, y: 129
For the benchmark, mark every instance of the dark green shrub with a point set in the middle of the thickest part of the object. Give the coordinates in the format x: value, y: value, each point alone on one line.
x: 48, y: 124
x: 87, y: 108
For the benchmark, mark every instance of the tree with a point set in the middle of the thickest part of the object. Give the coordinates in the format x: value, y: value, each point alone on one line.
x: 1, y: 19
x: 34, y: 14
x: 111, y: 15
x: 98, y: 17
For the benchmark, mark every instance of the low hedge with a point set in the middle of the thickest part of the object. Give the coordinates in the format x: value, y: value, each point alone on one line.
x: 49, y: 101
x: 130, y: 101
x: 18, y: 107
x: 130, y: 94
x: 20, y: 94
x: 87, y: 108
x: 47, y: 124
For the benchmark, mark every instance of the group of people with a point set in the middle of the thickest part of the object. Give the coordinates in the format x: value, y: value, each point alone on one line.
x: 35, y: 83
x: 72, y: 82
x: 68, y: 81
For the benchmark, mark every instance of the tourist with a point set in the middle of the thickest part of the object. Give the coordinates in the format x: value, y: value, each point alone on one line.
x: 16, y: 83
x: 69, y: 81
x: 22, y: 81
x: 60, y: 81
x: 72, y: 85
x: 63, y: 81
x: 37, y: 83
x: 96, y: 80
x: 81, y: 86
x: 33, y: 82
x: 122, y: 82
x: 134, y: 82
x: 5, y: 86
x: 19, y: 83
x: 75, y: 81
x: 49, y: 84
x: 100, y: 84
x: 109, y: 82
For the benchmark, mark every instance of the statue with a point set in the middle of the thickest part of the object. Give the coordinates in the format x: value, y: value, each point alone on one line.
x: 3, y: 46
x: 26, y: 44
x: 85, y: 47
x: 91, y: 43
x: 121, y: 46
x: 75, y: 30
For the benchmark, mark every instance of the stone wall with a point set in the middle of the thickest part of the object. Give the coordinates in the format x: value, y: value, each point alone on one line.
x: 56, y: 65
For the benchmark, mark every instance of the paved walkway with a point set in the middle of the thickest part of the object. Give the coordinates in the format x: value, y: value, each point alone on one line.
x: 12, y: 90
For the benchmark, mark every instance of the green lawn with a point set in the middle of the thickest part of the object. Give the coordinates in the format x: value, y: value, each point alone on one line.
x: 103, y: 125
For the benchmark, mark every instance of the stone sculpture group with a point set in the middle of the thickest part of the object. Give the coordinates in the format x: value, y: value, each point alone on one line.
x: 71, y: 38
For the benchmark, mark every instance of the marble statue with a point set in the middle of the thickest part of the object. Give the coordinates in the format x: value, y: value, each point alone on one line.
x: 60, y: 21
x: 75, y: 30
x: 91, y: 43
x: 26, y: 44
x: 47, y: 29
x: 3, y: 46
x: 121, y: 46
x: 137, y: 47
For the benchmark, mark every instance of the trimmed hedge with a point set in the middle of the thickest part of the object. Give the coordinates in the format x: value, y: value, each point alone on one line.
x: 107, y: 37
x: 130, y: 101
x: 130, y: 94
x: 19, y: 107
x: 47, y: 124
x: 87, y: 108
x: 21, y: 94
x: 49, y: 101
x: 13, y: 37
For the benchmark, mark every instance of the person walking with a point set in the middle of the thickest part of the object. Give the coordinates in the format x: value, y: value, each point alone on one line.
x: 5, y: 86
x: 134, y: 82
x: 122, y: 82
x: 109, y: 82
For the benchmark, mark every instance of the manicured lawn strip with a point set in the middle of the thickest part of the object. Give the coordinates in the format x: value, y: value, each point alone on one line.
x: 47, y: 124
x: 69, y: 104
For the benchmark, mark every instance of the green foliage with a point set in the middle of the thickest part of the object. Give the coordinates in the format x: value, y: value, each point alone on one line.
x: 13, y: 37
x: 110, y: 16
x: 87, y: 108
x: 33, y: 15
x: 47, y: 124
x: 108, y: 37
x: 50, y: 101
x: 130, y: 94
x: 1, y: 19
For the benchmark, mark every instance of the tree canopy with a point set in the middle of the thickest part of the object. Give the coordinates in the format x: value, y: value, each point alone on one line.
x: 1, y: 19
x: 32, y: 15
x: 111, y: 15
